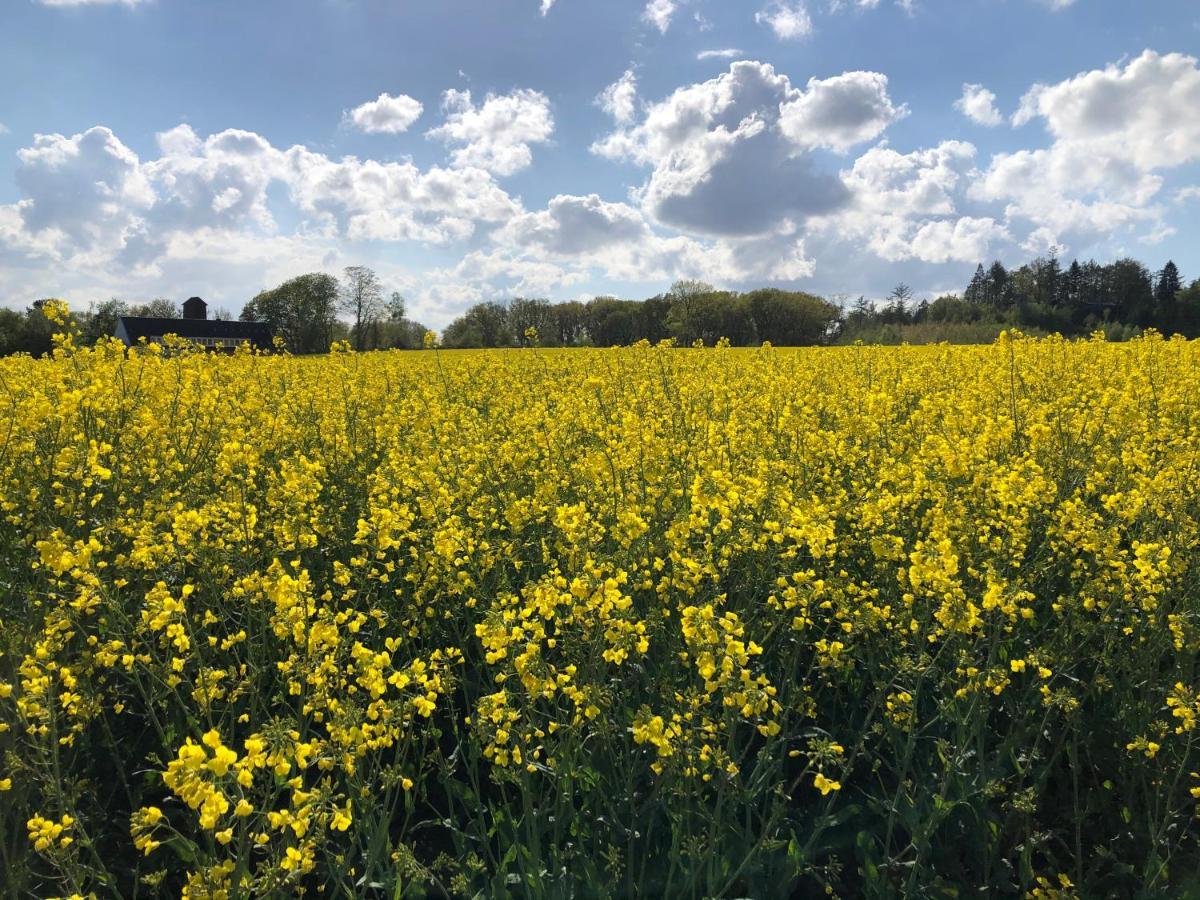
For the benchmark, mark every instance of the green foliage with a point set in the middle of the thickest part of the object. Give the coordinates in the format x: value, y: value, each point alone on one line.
x: 302, y: 311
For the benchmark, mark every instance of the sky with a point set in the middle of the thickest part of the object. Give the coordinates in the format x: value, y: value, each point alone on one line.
x: 474, y: 150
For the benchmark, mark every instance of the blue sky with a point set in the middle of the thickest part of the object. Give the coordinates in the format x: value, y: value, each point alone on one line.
x: 481, y: 150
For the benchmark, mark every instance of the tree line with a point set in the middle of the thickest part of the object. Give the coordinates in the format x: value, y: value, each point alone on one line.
x: 304, y: 311
x: 312, y: 311
x: 1122, y: 298
x: 690, y: 312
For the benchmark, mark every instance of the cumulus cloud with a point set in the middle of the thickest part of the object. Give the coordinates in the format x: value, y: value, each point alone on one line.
x: 659, y: 13
x: 218, y: 182
x: 497, y: 135
x: 920, y: 183
x: 728, y: 154
x: 586, y: 233
x: 905, y: 206
x: 546, y: 4
x: 838, y: 113
x: 789, y: 21
x: 571, y: 225
x: 619, y: 99
x: 978, y: 104
x: 729, y: 53
x: 1144, y: 112
x: 394, y: 201
x: 86, y: 191
x: 90, y: 194
x: 966, y: 239
x: 1114, y: 132
x: 385, y: 115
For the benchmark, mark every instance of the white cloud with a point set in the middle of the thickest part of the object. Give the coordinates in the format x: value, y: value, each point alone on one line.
x: 95, y: 218
x: 619, y: 99
x: 3, y: 128
x: 789, y: 21
x: 394, y: 201
x: 1186, y: 194
x: 1041, y: 241
x: 497, y: 135
x: 1144, y: 113
x: 965, y: 240
x: 837, y: 6
x: 978, y: 104
x: 905, y: 206
x: 659, y: 13
x: 729, y: 53
x: 89, y: 197
x: 84, y: 192
x: 584, y: 235
x: 1057, y: 4
x: 546, y: 4
x: 385, y: 115
x: 840, y: 112
x: 570, y: 226
x: 723, y: 164
x: 1114, y: 131
x: 220, y: 182
x: 921, y: 183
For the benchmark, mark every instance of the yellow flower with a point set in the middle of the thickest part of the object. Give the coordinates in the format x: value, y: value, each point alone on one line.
x: 825, y: 785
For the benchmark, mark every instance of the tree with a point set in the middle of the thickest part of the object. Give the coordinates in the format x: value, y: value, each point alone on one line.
x: 362, y: 300
x: 1187, y: 311
x: 1049, y: 276
x: 569, y: 323
x: 12, y: 331
x: 997, y: 291
x: 101, y: 321
x: 950, y: 309
x: 896, y: 311
x: 793, y: 318
x: 611, y: 322
x: 1167, y: 285
x: 1070, y: 286
x: 525, y: 313
x: 302, y: 311
x: 158, y: 308
x: 483, y: 325
x: 977, y: 290
x: 396, y: 307
x: 685, y: 297
x: 685, y: 288
x: 652, y: 318
x: 1131, y: 292
x: 708, y: 317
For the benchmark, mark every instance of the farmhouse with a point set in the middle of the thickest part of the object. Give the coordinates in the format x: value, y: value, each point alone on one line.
x: 195, y: 326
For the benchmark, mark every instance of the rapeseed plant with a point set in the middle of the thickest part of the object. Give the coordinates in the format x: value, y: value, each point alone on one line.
x: 634, y: 622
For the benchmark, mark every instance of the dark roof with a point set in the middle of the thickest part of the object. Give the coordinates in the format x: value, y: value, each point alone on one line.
x: 137, y: 327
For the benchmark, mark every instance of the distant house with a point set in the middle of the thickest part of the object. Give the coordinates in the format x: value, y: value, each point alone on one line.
x: 195, y: 326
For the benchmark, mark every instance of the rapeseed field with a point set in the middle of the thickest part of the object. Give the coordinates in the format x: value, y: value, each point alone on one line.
x: 650, y: 621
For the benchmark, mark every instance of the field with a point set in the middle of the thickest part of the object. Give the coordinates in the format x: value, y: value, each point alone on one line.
x: 650, y: 622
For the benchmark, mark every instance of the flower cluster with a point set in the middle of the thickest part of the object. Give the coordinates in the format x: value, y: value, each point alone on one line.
x: 644, y: 621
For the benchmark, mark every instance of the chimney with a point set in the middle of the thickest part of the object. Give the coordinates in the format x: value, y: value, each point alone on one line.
x: 195, y: 308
